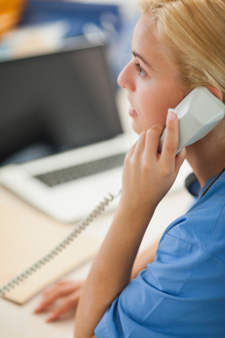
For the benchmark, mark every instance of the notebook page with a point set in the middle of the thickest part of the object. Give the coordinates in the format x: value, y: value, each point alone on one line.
x: 25, y: 237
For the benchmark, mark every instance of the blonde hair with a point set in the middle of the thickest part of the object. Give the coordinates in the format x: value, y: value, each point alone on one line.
x: 194, y: 32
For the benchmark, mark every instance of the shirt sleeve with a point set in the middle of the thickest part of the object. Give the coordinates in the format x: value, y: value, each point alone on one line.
x: 168, y: 299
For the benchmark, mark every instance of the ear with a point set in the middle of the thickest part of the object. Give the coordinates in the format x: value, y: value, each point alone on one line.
x: 216, y: 92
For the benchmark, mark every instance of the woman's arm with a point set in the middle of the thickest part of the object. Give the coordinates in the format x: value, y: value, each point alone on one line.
x: 110, y: 272
x: 69, y: 291
x: 147, y: 177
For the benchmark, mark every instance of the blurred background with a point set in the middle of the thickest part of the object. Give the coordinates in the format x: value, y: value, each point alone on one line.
x: 28, y: 26
x: 33, y: 27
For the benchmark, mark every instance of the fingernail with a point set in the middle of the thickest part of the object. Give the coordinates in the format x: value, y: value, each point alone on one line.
x: 38, y: 309
x: 172, y: 114
x: 51, y: 318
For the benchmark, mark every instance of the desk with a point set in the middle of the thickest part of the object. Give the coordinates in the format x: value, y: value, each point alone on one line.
x: 19, y: 321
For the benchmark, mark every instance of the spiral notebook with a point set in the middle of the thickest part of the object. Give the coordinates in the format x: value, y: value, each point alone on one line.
x: 35, y: 251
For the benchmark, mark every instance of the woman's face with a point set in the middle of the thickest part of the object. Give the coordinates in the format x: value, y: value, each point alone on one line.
x: 150, y: 79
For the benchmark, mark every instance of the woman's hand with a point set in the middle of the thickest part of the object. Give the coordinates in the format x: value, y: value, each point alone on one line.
x: 68, y: 291
x: 148, y: 175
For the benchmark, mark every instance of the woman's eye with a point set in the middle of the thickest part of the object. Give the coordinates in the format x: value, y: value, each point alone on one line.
x: 140, y: 70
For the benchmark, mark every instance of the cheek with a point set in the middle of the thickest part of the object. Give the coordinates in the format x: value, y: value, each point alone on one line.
x: 155, y: 104
x: 153, y: 109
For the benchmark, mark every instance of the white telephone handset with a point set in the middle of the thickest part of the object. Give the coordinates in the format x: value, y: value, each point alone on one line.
x: 198, y: 113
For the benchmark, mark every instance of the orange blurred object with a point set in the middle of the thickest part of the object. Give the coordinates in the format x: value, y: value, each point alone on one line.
x: 10, y: 14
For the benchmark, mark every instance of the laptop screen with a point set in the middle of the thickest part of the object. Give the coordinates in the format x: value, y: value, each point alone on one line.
x: 63, y: 100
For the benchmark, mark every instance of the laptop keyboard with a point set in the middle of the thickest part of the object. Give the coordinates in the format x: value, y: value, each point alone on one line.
x: 75, y: 172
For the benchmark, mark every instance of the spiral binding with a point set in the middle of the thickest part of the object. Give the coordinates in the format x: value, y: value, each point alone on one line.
x: 60, y: 247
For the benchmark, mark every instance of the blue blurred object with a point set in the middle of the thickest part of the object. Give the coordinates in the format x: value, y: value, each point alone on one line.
x: 87, y: 18
x: 76, y: 14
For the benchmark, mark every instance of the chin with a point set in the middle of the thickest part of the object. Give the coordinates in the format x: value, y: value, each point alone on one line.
x: 137, y: 129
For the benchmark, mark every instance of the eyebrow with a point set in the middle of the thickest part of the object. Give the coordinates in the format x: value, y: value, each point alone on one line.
x: 142, y: 59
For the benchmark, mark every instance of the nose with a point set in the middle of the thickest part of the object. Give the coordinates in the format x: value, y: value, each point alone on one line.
x: 125, y: 78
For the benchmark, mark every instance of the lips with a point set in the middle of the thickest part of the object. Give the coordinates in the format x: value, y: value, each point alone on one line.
x: 132, y: 112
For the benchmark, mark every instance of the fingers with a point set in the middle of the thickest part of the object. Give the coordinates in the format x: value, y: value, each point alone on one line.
x: 180, y: 159
x: 152, y: 141
x: 69, y: 290
x: 147, y: 174
x: 149, y: 141
x: 152, y: 137
x: 131, y: 150
x: 139, y: 145
x: 69, y: 303
x: 171, y: 142
x: 171, y: 138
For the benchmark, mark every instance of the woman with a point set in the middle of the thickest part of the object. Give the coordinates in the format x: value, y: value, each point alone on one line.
x: 177, y: 46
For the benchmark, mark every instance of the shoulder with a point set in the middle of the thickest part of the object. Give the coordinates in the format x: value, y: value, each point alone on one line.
x: 184, y: 285
x: 203, y: 225
x: 167, y: 298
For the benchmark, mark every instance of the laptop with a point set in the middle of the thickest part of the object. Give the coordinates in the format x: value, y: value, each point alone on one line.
x: 64, y: 102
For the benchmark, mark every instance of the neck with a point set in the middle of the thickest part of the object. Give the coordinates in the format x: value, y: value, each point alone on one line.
x: 206, y: 158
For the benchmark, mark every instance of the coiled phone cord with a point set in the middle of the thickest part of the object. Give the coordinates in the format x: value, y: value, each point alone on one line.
x: 100, y: 208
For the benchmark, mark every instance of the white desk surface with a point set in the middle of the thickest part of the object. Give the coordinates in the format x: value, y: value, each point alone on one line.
x: 20, y: 322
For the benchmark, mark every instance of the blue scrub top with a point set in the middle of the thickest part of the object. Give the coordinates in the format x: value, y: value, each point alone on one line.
x: 181, y: 293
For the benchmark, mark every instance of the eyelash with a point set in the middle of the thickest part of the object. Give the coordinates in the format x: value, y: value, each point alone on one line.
x: 140, y: 70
